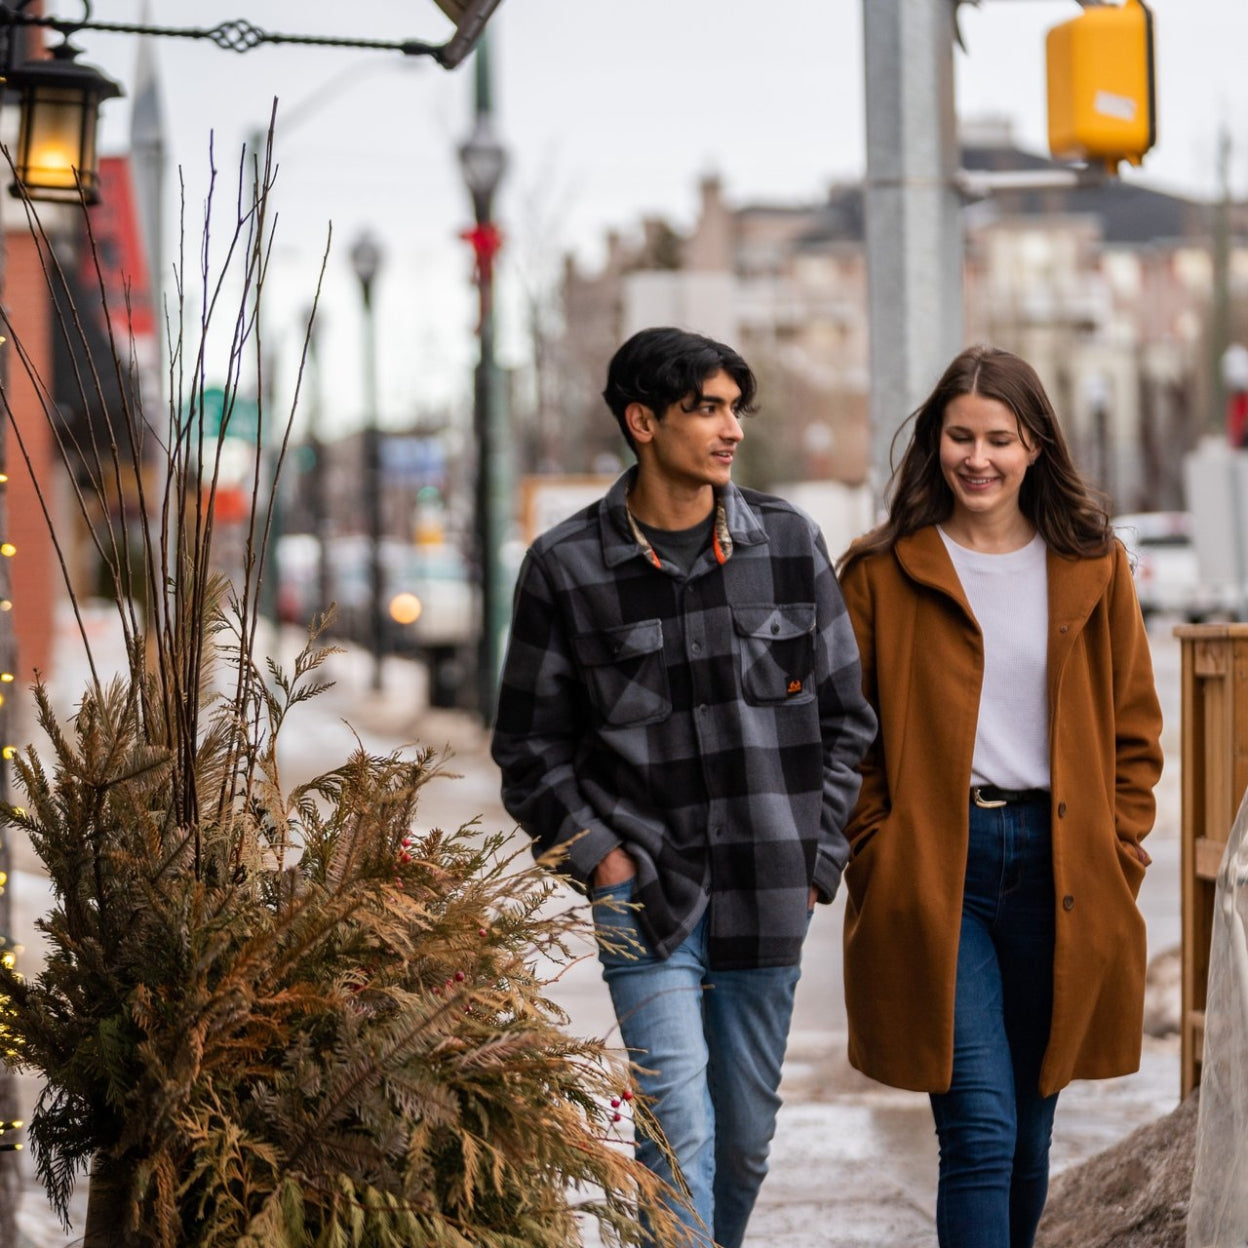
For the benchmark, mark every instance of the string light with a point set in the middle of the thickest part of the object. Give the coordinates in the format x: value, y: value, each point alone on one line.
x: 9, y: 950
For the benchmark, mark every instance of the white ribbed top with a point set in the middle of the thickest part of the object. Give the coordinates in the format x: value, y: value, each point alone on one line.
x: 1009, y: 596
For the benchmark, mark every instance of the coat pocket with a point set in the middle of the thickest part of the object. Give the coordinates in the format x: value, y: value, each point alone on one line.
x: 625, y: 673
x: 777, y: 645
x: 1133, y: 867
x: 857, y: 874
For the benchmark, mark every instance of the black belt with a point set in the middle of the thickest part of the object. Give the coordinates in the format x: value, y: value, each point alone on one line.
x: 988, y: 796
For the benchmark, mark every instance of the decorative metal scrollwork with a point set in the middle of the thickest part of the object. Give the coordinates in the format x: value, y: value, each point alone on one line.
x: 237, y: 35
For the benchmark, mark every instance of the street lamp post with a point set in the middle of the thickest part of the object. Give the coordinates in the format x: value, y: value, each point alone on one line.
x: 366, y: 261
x: 483, y: 161
x: 318, y: 502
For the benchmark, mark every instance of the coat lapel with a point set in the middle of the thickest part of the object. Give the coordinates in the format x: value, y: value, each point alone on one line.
x: 1075, y: 587
x: 923, y: 557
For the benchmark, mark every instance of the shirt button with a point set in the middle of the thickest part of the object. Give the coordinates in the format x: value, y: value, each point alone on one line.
x: 1061, y: 810
x: 1068, y: 902
x: 775, y: 628
x: 696, y: 647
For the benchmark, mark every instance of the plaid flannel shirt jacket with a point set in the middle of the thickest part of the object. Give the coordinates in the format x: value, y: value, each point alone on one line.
x: 711, y: 724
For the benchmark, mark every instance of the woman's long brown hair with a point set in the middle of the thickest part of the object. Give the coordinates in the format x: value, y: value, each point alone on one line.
x: 1070, y: 516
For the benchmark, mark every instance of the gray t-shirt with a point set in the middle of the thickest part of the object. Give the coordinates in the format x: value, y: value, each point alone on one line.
x: 681, y: 546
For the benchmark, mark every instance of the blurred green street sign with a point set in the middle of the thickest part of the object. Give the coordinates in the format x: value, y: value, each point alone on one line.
x: 244, y: 416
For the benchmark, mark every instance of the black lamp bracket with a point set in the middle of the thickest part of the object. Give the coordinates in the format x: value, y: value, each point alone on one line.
x: 240, y: 35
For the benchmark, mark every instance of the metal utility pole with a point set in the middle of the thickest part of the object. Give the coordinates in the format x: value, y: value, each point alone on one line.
x: 913, y: 210
x: 1220, y: 305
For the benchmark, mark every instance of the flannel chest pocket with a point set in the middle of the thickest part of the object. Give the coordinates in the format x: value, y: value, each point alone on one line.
x: 777, y: 652
x: 625, y: 673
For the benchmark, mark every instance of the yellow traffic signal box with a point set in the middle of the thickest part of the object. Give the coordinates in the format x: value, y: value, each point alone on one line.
x: 1101, y: 89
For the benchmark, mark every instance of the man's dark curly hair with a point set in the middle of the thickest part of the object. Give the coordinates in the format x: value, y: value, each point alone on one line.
x: 662, y: 366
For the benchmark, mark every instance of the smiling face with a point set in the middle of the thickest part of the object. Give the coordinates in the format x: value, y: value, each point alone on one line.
x: 983, y: 458
x: 691, y: 448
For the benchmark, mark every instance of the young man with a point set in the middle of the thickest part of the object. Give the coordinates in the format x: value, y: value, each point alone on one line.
x: 681, y: 711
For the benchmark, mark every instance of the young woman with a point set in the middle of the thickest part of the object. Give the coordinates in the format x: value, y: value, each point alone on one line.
x: 993, y: 948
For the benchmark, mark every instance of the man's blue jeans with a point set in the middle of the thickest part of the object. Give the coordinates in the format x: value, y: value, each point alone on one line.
x: 993, y: 1125
x: 708, y: 1047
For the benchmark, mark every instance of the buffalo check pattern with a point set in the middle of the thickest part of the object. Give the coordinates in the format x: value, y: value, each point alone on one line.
x: 710, y: 723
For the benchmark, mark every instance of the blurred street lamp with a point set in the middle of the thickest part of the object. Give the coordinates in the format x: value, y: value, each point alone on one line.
x: 483, y: 162
x: 366, y: 261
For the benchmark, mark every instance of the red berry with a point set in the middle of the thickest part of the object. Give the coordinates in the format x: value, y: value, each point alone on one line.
x: 628, y: 1096
x: 459, y: 976
x: 615, y: 1102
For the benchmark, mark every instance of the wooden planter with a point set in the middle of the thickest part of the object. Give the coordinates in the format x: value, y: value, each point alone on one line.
x: 1214, y: 779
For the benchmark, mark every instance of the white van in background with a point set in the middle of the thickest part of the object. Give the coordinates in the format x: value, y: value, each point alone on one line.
x: 1167, y: 572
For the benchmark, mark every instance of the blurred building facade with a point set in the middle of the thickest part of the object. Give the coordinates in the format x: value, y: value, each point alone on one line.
x: 1108, y: 290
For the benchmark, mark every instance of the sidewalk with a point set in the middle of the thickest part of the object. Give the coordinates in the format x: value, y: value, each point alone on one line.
x: 853, y: 1162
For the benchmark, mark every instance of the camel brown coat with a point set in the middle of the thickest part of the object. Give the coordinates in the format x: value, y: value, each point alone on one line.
x: 922, y: 658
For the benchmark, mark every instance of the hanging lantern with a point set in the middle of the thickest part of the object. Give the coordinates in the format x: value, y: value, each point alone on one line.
x: 60, y: 106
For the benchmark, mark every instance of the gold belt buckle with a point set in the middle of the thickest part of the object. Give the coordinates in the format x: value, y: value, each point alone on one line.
x: 984, y: 803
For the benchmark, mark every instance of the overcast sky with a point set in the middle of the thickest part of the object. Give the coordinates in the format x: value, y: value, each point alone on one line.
x: 610, y: 109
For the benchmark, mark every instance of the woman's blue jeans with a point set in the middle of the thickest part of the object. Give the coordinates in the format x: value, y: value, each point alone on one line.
x: 707, y: 1048
x: 994, y: 1126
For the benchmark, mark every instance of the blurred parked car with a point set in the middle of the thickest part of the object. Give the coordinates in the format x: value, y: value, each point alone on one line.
x: 429, y: 603
x: 1167, y: 573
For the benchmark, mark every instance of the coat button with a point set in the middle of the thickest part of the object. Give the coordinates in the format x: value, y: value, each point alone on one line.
x: 1065, y: 628
x: 775, y: 628
x: 1068, y: 902
x: 1061, y: 810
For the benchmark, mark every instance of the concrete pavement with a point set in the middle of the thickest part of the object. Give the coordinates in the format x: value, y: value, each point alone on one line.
x: 853, y: 1163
